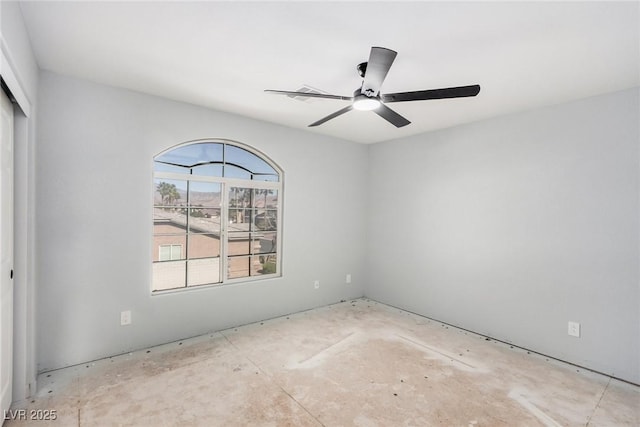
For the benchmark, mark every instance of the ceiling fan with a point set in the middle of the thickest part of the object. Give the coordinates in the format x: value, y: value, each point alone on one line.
x: 369, y: 98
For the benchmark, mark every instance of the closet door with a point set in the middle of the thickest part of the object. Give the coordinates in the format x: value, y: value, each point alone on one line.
x: 6, y: 252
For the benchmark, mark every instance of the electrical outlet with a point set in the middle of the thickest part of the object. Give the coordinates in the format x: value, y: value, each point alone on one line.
x: 348, y: 278
x: 316, y: 284
x: 574, y: 329
x: 125, y: 318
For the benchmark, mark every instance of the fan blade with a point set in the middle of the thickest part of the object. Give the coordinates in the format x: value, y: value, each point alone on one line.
x: 332, y: 116
x: 421, y: 95
x: 310, y: 94
x: 380, y: 60
x: 391, y: 116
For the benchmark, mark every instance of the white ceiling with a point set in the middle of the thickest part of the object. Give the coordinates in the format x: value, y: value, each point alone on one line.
x: 222, y: 55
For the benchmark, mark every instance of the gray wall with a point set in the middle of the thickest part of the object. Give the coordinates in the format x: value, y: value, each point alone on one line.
x: 94, y: 193
x: 17, y: 48
x: 508, y: 227
x: 512, y: 227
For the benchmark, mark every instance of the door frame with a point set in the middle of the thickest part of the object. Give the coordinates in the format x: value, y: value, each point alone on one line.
x: 24, y: 334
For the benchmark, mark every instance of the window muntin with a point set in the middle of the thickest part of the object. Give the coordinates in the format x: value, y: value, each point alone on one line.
x: 227, y: 231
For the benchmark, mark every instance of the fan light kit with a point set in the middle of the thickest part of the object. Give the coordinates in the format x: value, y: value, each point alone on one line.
x: 364, y: 103
x: 368, y: 97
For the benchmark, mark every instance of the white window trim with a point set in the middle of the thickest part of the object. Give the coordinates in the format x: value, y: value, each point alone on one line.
x: 226, y: 183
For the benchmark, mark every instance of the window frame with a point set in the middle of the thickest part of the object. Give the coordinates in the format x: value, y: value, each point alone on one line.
x: 225, y: 185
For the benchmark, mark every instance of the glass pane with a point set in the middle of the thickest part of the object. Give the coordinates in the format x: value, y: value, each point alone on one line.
x: 265, y: 198
x: 240, y: 197
x: 245, y: 159
x: 267, y: 178
x: 208, y: 170
x: 165, y: 253
x: 169, y: 221
x: 203, y: 220
x: 203, y: 246
x: 203, y: 271
x: 231, y: 171
x: 175, y: 252
x: 193, y: 154
x: 168, y: 275
x: 263, y: 264
x: 169, y: 192
x: 266, y: 220
x: 238, y: 267
x: 206, y: 213
x: 263, y: 243
x: 205, y: 194
x: 163, y: 167
x: 170, y: 252
x: 239, y: 219
x: 162, y: 247
x: 238, y: 244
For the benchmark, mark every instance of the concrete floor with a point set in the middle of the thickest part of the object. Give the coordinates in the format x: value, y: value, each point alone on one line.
x: 355, y: 363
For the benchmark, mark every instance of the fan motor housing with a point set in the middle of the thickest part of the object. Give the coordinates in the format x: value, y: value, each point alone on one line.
x: 362, y: 69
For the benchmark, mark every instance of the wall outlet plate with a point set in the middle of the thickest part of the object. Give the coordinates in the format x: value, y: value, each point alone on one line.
x: 125, y: 318
x: 574, y: 329
x: 348, y: 278
x: 316, y: 284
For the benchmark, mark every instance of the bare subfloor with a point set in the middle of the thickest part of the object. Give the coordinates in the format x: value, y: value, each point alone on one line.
x: 355, y: 363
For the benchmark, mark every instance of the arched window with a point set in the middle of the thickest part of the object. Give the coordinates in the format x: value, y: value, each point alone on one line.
x: 216, y: 215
